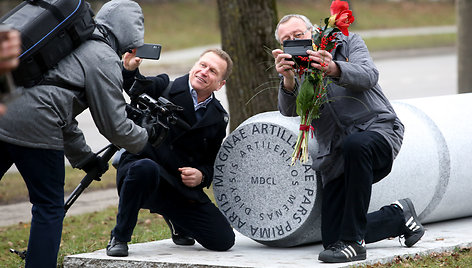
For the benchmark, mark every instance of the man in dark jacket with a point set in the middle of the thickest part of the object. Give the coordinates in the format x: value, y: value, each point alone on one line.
x: 169, y: 179
x: 359, y: 135
x: 40, y: 127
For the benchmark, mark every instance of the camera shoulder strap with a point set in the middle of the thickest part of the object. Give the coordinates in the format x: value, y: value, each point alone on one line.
x: 166, y: 91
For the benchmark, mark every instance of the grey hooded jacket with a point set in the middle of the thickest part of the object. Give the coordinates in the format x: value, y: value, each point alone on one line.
x: 44, y: 116
x: 357, y: 104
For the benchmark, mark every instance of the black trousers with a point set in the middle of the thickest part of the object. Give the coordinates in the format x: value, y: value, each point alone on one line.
x: 43, y: 172
x: 345, y: 202
x: 142, y: 188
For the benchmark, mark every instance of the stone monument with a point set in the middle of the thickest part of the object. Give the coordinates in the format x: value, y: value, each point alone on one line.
x: 260, y: 192
x: 276, y: 204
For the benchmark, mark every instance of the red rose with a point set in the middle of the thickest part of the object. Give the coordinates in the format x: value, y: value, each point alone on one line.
x: 344, y: 16
x: 338, y: 6
x: 343, y: 20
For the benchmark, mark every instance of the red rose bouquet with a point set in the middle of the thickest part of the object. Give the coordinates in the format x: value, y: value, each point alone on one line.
x: 312, y: 92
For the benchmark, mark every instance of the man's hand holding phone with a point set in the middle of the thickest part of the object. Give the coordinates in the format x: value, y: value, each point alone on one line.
x: 130, y: 61
x: 298, y: 49
x: 133, y: 58
x: 149, y: 51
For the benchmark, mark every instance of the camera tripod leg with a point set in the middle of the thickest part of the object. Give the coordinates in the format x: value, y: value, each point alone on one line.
x: 21, y: 254
x: 110, y: 150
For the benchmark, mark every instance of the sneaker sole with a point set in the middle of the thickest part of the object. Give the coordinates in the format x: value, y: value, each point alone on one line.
x: 117, y: 254
x: 112, y: 253
x: 413, y: 239
x: 359, y: 257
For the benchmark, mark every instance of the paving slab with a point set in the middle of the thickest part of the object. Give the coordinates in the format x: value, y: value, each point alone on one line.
x: 439, y: 237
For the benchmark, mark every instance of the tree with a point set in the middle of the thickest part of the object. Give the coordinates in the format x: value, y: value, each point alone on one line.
x: 464, y: 53
x: 247, y: 32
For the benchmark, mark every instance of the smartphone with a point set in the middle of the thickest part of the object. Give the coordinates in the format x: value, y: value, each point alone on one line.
x: 297, y: 48
x: 149, y: 51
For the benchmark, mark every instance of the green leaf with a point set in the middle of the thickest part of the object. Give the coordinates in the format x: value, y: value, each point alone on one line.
x: 326, y: 21
x: 306, y: 96
x: 328, y: 31
x: 317, y: 39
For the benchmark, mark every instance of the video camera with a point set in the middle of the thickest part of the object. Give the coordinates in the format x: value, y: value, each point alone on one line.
x: 162, y: 110
x: 142, y: 106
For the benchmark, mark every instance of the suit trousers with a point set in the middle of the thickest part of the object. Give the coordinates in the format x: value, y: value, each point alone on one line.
x: 142, y: 187
x: 43, y: 172
x: 367, y: 159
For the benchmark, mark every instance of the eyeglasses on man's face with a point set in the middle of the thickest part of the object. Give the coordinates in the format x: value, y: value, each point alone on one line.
x: 294, y: 35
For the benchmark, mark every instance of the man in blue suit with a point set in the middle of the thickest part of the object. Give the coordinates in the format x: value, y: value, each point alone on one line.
x: 169, y: 180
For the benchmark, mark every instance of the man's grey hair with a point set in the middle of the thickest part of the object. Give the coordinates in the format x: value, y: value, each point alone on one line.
x: 285, y: 18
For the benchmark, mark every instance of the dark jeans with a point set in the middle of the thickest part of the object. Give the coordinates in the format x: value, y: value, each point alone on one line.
x: 345, y: 202
x: 141, y: 187
x: 43, y: 173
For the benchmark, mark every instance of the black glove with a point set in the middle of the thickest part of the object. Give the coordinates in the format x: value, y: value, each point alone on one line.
x: 157, y: 131
x: 139, y: 87
x: 95, y: 164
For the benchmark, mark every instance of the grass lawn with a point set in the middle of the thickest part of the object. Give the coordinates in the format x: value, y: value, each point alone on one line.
x: 83, y: 233
x: 188, y: 28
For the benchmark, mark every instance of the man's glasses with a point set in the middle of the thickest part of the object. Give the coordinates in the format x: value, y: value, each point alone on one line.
x: 295, y: 35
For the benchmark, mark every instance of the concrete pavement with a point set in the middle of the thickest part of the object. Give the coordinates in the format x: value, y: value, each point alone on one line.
x: 439, y: 237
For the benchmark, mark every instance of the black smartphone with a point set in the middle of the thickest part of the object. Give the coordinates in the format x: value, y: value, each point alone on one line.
x: 297, y: 48
x: 149, y: 51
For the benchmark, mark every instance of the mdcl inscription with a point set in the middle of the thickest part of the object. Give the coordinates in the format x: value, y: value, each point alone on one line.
x: 255, y: 186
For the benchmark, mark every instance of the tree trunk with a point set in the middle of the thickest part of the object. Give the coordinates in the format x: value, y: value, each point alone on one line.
x: 464, y: 53
x: 247, y: 32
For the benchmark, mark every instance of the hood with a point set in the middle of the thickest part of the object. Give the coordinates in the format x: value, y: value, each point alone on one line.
x: 124, y: 20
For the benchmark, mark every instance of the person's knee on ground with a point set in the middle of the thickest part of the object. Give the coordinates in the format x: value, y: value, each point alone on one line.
x: 224, y: 242
x: 217, y: 235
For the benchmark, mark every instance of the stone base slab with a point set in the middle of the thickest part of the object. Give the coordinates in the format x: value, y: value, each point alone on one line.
x: 442, y: 236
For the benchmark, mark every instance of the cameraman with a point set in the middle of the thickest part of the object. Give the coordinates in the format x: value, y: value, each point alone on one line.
x: 40, y: 127
x: 169, y: 179
x: 359, y: 136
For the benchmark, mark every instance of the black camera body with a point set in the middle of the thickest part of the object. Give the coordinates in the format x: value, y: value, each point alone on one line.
x: 297, y: 48
x: 161, y: 109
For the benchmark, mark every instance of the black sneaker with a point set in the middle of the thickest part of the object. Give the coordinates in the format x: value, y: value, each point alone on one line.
x: 178, y: 237
x: 116, y: 248
x: 343, y: 252
x: 414, y: 230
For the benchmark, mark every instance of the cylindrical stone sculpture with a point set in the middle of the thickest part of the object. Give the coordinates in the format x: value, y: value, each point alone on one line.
x: 276, y: 204
x: 260, y: 192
